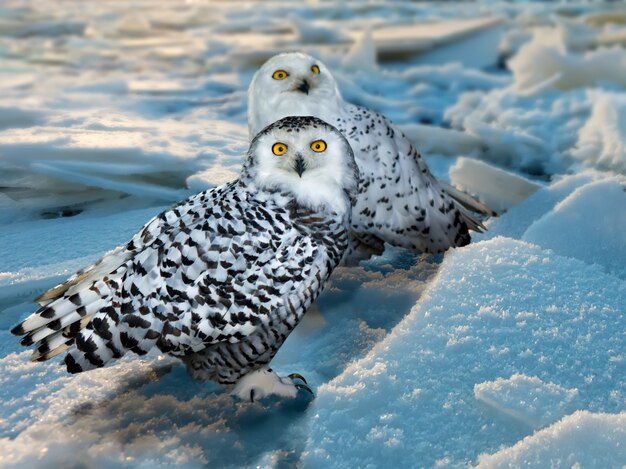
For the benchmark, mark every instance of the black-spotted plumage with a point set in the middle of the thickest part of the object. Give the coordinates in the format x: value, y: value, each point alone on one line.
x: 219, y: 280
x: 399, y: 202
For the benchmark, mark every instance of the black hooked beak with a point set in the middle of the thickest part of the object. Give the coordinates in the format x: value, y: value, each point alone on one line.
x: 304, y: 87
x: 299, y: 165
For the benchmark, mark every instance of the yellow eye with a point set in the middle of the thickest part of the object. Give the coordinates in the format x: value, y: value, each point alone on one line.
x: 315, y: 69
x: 279, y: 149
x: 280, y: 75
x: 318, y: 146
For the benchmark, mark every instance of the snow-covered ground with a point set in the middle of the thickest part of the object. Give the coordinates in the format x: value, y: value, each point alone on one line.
x: 509, y: 352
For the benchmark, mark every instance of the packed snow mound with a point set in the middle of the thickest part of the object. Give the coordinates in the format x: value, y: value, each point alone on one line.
x: 527, y: 398
x: 602, y: 140
x: 518, y: 218
x: 588, y: 225
x: 583, y: 439
x: 496, y: 308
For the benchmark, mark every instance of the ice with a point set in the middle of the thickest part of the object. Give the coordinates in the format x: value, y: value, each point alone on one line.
x: 537, y: 63
x: 48, y: 243
x: 593, y: 216
x: 531, y: 133
x: 307, y: 33
x: 583, y: 439
x: 506, y: 352
x: 496, y: 309
x: 527, y: 398
x: 498, y: 189
x: 602, y: 140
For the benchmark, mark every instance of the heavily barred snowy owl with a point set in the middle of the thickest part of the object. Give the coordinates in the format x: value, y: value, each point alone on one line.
x: 222, y: 278
x: 399, y: 200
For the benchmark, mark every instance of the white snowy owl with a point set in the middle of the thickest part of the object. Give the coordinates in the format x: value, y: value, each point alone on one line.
x: 399, y: 200
x: 222, y: 278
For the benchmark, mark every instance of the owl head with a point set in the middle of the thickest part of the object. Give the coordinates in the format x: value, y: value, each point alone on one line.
x: 291, y: 84
x: 306, y: 158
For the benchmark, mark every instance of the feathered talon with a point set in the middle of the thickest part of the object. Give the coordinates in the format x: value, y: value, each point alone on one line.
x: 263, y: 382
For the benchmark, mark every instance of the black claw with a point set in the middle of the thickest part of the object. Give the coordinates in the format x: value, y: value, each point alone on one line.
x: 305, y: 387
x: 251, y: 395
x: 297, y: 376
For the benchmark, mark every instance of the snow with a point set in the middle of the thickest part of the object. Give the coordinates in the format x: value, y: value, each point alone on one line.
x: 537, y: 64
x: 583, y: 439
x: 497, y: 188
x: 527, y: 398
x: 580, y: 218
x: 508, y: 352
x: 602, y: 140
x: 496, y: 309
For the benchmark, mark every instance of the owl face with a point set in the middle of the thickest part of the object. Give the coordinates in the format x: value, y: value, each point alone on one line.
x: 304, y: 156
x: 289, y: 84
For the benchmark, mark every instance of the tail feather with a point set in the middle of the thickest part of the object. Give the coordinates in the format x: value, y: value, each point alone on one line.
x: 65, y: 317
x: 466, y: 200
x: 472, y: 222
x: 55, y: 326
x: 58, y: 342
x: 469, y: 206
x: 104, y: 266
x: 44, y: 349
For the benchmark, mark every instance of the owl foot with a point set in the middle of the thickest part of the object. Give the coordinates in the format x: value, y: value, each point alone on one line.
x: 264, y: 382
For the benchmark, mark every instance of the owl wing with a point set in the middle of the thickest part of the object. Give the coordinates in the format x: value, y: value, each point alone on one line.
x: 400, y: 201
x: 207, y: 270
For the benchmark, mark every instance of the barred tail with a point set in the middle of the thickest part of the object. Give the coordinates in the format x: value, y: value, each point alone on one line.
x: 68, y: 308
x: 468, y: 205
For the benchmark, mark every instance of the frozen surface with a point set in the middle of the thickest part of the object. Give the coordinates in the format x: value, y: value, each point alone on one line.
x: 497, y: 308
x: 527, y: 398
x: 509, y: 351
x: 497, y: 188
x: 583, y: 439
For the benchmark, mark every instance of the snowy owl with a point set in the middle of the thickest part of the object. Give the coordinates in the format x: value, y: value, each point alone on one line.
x: 220, y: 279
x: 399, y: 200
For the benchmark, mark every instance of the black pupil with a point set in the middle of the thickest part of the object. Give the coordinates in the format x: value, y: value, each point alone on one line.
x: 317, y: 146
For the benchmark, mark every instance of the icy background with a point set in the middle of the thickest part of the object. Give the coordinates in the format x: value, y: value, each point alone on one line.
x: 508, y: 352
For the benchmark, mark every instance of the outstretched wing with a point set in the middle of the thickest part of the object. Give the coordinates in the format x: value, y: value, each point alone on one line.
x: 401, y: 202
x: 194, y: 275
